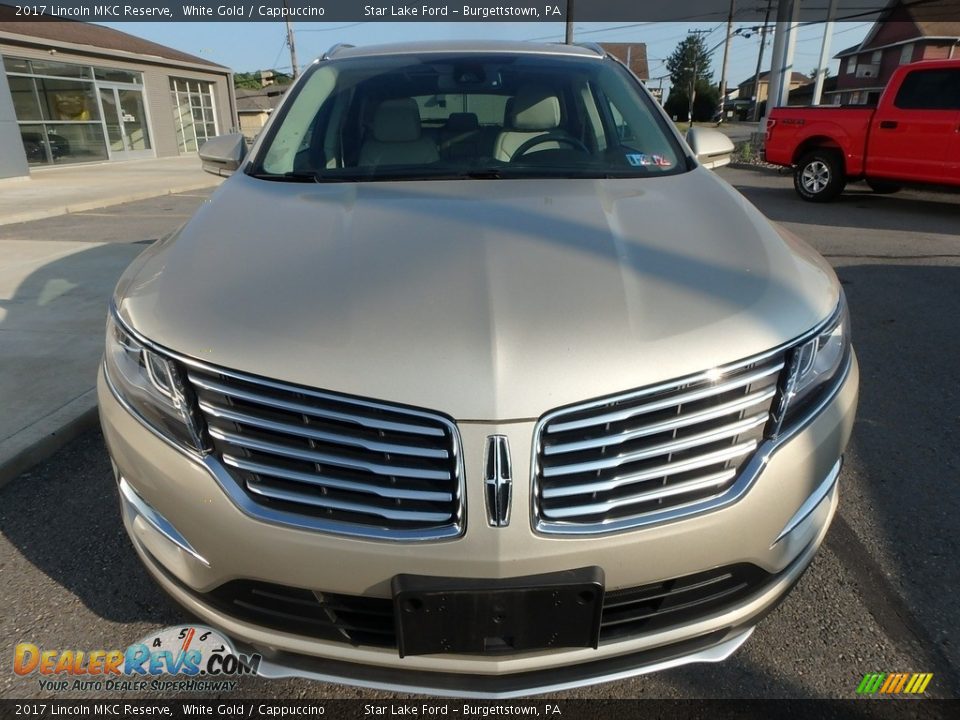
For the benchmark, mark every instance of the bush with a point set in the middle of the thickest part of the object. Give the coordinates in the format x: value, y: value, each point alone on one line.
x: 704, y: 105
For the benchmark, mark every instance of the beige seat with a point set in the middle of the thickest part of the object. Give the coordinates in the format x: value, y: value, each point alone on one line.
x: 532, y: 112
x: 397, y: 136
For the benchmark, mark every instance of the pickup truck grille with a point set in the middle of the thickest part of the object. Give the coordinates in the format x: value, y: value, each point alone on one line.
x: 622, y: 461
x: 351, y: 466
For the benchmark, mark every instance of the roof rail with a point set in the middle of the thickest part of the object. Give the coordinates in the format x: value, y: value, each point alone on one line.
x: 335, y: 49
x: 596, y: 47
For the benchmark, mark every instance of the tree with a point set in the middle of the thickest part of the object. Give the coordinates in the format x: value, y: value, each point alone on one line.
x: 690, y: 53
x: 251, y: 80
x: 705, y: 103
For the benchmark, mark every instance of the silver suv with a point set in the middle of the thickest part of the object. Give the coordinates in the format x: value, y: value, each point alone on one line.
x: 472, y: 379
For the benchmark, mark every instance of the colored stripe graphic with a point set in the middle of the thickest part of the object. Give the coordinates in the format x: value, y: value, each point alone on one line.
x: 871, y: 683
x: 894, y: 683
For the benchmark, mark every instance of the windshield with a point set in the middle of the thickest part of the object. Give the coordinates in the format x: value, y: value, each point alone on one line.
x: 472, y: 116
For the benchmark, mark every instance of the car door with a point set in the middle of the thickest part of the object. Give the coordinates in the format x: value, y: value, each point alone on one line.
x: 915, y: 136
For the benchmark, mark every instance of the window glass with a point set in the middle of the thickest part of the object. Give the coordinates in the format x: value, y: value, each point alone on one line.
x: 930, y: 90
x: 65, y: 100
x: 47, y: 67
x: 193, y: 113
x: 485, y: 116
x: 118, y: 76
x: 16, y: 65
x: 906, y: 54
x: 25, y: 103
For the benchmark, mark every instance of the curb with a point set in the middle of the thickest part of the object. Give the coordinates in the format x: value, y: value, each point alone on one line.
x: 32, y: 215
x: 37, y: 442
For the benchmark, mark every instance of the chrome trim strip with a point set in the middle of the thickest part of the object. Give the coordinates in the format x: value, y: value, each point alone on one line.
x: 326, y: 458
x: 812, y: 502
x: 647, y: 496
x: 302, y: 522
x: 158, y: 522
x: 716, y: 653
x: 747, y: 477
x: 308, y: 432
x: 317, y: 480
x: 296, y: 407
x: 330, y: 503
x: 683, y: 421
x: 671, y: 468
x: 627, y: 413
x: 705, y: 438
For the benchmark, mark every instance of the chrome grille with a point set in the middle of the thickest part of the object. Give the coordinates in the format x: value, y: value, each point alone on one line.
x: 623, y: 461
x: 354, y: 466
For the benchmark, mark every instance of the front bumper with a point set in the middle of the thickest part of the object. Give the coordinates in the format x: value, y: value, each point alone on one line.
x: 776, y: 526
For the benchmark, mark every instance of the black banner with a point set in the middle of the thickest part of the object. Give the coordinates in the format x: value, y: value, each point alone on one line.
x: 453, y: 10
x: 481, y: 709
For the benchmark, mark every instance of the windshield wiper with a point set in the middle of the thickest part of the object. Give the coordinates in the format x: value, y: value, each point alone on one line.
x: 292, y: 176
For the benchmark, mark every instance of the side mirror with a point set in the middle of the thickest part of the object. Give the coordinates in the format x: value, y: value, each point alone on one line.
x: 223, y: 154
x: 712, y: 148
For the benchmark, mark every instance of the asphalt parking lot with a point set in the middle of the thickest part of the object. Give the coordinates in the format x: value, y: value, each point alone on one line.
x: 880, y: 596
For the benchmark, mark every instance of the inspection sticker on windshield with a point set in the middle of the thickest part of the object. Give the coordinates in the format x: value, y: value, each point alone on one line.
x: 642, y: 159
x: 638, y: 159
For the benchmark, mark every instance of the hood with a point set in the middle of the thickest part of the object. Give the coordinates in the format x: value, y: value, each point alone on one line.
x: 483, y: 299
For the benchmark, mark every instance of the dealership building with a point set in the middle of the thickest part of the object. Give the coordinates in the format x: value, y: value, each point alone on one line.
x: 73, y: 92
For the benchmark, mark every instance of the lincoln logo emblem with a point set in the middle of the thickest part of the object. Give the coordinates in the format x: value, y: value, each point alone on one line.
x: 498, y: 480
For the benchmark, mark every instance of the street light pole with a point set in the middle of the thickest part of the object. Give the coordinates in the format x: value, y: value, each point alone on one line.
x: 569, y: 37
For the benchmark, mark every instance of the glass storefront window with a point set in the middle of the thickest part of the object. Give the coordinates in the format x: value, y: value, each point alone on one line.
x: 60, y: 144
x: 16, y: 65
x: 58, y: 107
x: 64, y: 100
x: 26, y: 105
x: 193, y: 112
x: 115, y: 75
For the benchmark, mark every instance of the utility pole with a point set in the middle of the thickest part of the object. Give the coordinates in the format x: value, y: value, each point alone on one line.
x: 569, y: 38
x: 696, y: 68
x: 293, y: 47
x: 756, y: 75
x: 824, y: 64
x: 726, y: 53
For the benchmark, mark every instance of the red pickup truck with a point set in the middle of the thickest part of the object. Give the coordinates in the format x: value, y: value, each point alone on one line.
x: 912, y: 137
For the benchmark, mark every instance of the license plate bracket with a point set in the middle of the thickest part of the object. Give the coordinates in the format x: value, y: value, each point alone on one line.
x: 498, y: 616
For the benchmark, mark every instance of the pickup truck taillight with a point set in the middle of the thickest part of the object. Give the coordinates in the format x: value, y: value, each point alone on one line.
x: 770, y: 123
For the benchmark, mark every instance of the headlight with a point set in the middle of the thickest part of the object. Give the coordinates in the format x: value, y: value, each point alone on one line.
x: 153, y: 385
x: 815, y: 365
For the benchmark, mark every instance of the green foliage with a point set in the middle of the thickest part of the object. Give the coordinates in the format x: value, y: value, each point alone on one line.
x: 690, y: 53
x: 251, y: 80
x: 705, y: 103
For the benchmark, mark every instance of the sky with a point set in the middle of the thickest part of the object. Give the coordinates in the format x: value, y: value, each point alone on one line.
x: 247, y: 47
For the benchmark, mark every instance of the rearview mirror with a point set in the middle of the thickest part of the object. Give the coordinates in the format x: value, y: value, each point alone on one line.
x: 223, y: 154
x: 712, y: 148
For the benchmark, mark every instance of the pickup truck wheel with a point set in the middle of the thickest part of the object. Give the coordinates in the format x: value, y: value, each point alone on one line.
x: 882, y: 187
x: 818, y: 176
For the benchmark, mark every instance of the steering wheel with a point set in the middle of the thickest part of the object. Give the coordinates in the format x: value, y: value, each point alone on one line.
x: 549, y: 137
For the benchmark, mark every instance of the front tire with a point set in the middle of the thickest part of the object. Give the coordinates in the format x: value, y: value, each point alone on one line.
x: 818, y: 177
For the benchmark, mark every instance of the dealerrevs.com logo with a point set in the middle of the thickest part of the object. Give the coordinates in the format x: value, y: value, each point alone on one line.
x: 180, y: 658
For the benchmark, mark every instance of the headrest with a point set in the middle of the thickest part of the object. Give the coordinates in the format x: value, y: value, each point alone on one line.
x: 534, y: 108
x: 462, y: 122
x: 397, y: 121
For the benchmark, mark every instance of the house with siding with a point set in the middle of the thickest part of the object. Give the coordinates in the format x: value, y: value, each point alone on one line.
x: 906, y: 33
